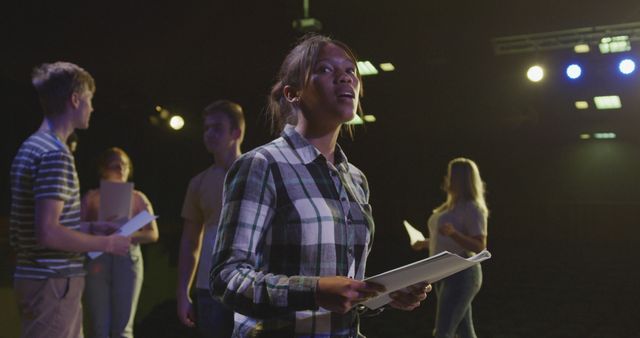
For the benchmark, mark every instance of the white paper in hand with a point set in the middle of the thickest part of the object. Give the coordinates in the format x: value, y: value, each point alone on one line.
x: 430, y: 270
x: 133, y: 225
x: 414, y: 234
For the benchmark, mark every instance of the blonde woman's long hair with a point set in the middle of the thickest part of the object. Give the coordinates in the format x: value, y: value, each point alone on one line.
x: 463, y: 184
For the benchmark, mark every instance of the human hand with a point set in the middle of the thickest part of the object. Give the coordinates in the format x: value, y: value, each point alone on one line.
x: 186, y: 312
x: 118, y: 245
x: 410, y: 297
x: 447, y: 229
x: 340, y: 294
x: 420, y: 245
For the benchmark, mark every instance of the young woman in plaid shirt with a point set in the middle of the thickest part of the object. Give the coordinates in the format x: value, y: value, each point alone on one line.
x: 296, y: 226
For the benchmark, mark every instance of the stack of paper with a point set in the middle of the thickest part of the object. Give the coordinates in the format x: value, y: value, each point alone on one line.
x: 431, y: 270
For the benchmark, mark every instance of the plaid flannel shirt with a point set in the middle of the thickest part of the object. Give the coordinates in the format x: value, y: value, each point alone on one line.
x: 288, y: 217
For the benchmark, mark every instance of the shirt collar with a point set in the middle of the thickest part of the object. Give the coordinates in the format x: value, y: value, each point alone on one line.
x: 307, y: 152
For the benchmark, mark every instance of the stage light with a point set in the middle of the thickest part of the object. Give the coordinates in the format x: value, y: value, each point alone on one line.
x: 582, y: 105
x: 608, y: 102
x: 585, y: 136
x: 627, y: 66
x: 581, y: 48
x: 535, y: 73
x: 574, y: 71
x: 387, y: 67
x: 366, y: 68
x: 604, y: 136
x: 615, y: 44
x: 369, y: 118
x: 176, y: 122
x: 164, y: 114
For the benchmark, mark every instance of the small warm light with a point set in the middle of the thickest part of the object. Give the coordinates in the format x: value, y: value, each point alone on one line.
x: 582, y: 105
x: 158, y: 109
x: 535, y: 73
x: 627, y: 66
x: 369, y: 118
x: 574, y: 71
x: 581, y: 48
x: 608, y: 102
x: 176, y: 122
x: 164, y: 114
x: 387, y: 67
x: 585, y: 136
x: 154, y: 120
x: 366, y: 68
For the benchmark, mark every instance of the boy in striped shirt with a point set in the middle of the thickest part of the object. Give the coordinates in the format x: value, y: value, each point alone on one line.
x: 45, y: 230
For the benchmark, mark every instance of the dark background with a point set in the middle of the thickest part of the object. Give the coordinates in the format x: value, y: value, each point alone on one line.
x: 564, y: 222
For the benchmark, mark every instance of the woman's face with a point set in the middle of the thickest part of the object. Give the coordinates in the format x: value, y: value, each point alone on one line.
x: 117, y: 169
x: 333, y: 92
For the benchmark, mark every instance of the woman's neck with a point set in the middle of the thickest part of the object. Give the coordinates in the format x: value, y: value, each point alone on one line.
x: 324, y: 139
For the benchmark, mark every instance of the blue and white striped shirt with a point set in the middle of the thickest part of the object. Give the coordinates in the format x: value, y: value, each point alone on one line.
x: 43, y: 169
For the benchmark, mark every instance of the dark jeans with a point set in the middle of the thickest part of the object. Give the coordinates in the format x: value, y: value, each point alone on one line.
x: 214, y: 319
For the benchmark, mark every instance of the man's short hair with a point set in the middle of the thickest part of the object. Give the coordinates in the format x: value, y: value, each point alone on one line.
x: 231, y: 110
x: 55, y: 82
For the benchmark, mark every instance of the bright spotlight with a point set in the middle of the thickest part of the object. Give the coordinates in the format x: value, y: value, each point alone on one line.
x: 535, y: 73
x: 627, y: 66
x: 176, y: 122
x: 574, y: 71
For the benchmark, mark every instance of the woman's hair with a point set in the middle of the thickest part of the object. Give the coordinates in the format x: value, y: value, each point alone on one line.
x: 463, y: 184
x: 108, y: 156
x: 296, y: 71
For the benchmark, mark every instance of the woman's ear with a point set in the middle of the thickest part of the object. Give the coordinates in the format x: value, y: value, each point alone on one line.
x: 291, y: 94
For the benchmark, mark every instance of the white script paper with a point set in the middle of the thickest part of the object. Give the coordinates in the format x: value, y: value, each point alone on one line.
x: 414, y: 234
x: 430, y: 269
x: 133, y: 225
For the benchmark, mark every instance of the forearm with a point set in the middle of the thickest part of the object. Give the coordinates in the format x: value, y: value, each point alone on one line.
x: 85, y: 227
x: 475, y: 244
x: 61, y: 238
x: 144, y: 236
x: 263, y: 295
x: 188, y: 258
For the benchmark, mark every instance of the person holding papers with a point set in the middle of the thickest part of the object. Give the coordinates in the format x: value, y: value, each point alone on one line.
x: 459, y: 226
x: 45, y: 229
x: 113, y: 283
x: 296, y: 227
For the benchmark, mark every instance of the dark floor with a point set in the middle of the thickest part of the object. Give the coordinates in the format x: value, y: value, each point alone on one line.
x: 531, y: 289
x: 544, y: 290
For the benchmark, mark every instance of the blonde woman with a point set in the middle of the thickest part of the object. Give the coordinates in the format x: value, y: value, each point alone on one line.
x: 459, y: 225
